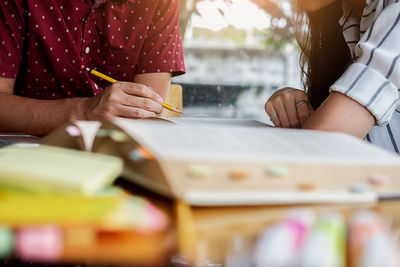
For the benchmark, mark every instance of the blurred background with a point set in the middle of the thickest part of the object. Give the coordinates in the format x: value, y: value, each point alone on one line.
x: 237, y: 52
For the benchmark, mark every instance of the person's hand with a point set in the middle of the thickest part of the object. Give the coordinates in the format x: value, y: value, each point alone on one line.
x: 124, y: 99
x: 288, y: 108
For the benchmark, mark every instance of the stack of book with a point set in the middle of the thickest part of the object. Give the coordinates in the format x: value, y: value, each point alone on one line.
x: 58, y: 205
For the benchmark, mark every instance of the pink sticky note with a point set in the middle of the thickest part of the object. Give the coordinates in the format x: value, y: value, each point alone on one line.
x: 42, y: 244
x: 378, y: 179
x: 156, y: 220
x: 73, y: 131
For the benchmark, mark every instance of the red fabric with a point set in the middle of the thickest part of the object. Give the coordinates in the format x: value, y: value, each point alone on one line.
x: 44, y: 43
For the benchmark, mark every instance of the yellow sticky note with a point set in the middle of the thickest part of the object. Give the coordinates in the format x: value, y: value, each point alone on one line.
x: 52, y: 169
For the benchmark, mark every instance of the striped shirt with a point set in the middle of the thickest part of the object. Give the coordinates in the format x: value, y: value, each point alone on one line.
x: 373, y: 78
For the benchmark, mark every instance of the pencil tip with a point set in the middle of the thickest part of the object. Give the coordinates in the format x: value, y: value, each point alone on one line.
x: 178, y: 111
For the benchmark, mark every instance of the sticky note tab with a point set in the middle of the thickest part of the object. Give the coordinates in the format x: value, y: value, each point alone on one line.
x: 73, y: 131
x: 154, y: 219
x: 136, y: 213
x: 140, y: 154
x: 146, y: 154
x: 135, y: 156
x: 39, y: 243
x: 118, y: 136
x: 306, y: 186
x: 199, y: 171
x: 378, y: 179
x: 359, y: 188
x: 239, y: 175
x: 276, y: 171
x: 103, y: 132
x: 6, y: 242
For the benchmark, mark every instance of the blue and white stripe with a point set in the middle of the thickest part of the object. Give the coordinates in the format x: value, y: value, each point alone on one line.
x: 373, y: 79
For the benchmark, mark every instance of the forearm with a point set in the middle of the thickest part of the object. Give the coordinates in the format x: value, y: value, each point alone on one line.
x: 159, y: 82
x: 340, y: 113
x: 37, y: 117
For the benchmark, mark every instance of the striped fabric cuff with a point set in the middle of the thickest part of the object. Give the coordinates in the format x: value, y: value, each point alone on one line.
x: 371, y: 89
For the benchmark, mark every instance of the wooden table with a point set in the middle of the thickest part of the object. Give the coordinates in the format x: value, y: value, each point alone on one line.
x: 207, y: 234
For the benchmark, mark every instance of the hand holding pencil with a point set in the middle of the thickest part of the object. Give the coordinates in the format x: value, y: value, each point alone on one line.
x: 112, y: 80
x: 124, y: 99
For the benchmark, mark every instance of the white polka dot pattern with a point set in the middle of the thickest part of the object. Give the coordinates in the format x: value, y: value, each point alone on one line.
x: 121, y: 38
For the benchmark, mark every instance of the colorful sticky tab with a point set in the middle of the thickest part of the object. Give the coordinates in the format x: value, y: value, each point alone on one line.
x: 73, y: 131
x: 42, y: 244
x: 156, y: 220
x: 140, y: 154
x: 118, y: 136
x: 135, y: 214
x: 276, y: 171
x: 135, y: 156
x: 359, y: 188
x: 378, y: 179
x: 115, y: 135
x: 306, y: 186
x: 198, y: 171
x: 103, y: 132
x: 238, y: 175
x: 6, y: 242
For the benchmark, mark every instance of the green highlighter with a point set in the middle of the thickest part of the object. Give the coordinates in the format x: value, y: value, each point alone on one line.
x: 45, y: 169
x: 325, y: 246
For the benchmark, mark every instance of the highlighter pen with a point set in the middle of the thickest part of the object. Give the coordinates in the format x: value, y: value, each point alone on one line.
x: 280, y: 245
x: 325, y: 246
x: 370, y: 242
x: 111, y: 80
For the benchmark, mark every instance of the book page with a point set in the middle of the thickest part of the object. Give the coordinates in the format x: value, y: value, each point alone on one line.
x: 217, y: 122
x: 253, y: 144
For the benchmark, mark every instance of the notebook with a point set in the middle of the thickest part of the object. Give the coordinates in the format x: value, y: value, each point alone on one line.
x: 52, y: 169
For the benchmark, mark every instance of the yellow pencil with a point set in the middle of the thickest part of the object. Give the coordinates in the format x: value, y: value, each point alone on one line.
x: 111, y: 80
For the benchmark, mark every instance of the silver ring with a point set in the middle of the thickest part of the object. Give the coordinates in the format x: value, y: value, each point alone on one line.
x: 301, y: 102
x: 273, y: 117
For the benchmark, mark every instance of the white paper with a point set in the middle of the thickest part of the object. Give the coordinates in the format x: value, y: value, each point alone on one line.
x: 253, y: 144
x: 88, y: 130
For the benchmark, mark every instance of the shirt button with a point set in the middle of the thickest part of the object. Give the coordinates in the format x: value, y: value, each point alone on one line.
x: 87, y: 50
x: 97, y: 87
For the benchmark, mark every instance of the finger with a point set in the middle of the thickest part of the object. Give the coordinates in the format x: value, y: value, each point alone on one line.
x: 270, y: 110
x: 303, y: 113
x: 291, y: 111
x: 275, y: 120
x: 133, y: 112
x: 280, y: 109
x: 142, y: 90
x: 310, y: 108
x: 143, y: 103
x: 286, y: 90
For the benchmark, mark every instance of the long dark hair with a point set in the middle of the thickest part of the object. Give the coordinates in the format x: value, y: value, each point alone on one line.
x: 324, y: 52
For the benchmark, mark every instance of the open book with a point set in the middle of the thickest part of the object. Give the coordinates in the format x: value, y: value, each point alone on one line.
x: 245, y: 163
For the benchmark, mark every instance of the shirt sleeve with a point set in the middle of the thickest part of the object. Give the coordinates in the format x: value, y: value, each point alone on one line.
x: 12, y: 32
x: 162, y: 50
x: 374, y: 78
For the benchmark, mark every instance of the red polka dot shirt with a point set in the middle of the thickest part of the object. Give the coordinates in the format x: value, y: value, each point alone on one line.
x: 44, y: 43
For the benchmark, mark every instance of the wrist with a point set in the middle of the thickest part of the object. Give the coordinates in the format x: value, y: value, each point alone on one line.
x: 77, y: 109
